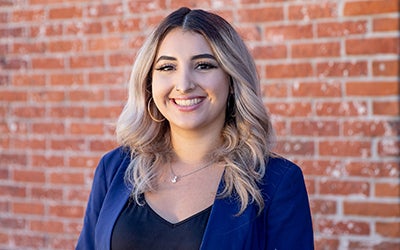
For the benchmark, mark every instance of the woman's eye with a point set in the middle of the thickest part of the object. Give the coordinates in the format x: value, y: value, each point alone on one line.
x: 205, y: 66
x: 165, y: 67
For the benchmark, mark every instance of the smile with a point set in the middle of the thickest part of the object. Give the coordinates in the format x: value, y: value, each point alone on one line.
x: 188, y: 102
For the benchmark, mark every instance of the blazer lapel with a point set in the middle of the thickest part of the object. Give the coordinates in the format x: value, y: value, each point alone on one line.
x: 225, y: 229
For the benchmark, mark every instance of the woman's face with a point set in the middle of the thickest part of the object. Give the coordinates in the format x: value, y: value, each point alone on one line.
x: 189, y: 87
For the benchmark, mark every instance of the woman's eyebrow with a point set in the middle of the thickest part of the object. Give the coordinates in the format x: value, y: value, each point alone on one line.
x: 195, y: 57
x: 201, y: 56
x: 168, y: 58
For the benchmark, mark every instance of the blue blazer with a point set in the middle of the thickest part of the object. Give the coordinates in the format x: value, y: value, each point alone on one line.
x: 285, y: 222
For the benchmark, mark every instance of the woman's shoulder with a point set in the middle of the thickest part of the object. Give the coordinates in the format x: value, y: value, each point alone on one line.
x: 279, y: 171
x: 113, y: 161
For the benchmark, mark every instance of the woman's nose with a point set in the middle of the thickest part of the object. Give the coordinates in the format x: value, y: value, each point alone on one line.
x: 184, y: 81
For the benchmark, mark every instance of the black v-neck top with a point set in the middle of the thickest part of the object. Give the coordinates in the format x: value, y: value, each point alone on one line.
x: 140, y: 227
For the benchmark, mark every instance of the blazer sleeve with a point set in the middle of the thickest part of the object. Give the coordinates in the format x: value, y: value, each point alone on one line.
x: 86, y: 239
x: 289, y: 224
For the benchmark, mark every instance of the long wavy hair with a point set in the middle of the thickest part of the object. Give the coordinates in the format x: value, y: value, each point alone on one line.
x: 247, y: 133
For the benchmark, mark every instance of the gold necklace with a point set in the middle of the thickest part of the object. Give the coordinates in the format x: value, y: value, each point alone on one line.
x: 175, y: 178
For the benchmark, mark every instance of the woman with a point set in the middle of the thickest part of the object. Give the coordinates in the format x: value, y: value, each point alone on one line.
x: 195, y: 170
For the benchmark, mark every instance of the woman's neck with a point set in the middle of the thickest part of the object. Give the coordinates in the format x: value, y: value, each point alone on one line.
x: 192, y: 148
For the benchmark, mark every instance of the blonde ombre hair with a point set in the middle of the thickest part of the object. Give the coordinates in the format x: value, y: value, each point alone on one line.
x: 247, y: 134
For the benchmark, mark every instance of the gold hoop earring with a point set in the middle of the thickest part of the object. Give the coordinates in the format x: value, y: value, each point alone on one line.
x: 149, y: 111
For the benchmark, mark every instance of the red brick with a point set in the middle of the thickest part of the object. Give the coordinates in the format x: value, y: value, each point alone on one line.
x: 87, y: 61
x: 11, y: 32
x: 67, y: 79
x: 105, y: 10
x: 107, y: 78
x: 67, y: 178
x: 48, y: 128
x: 59, y: 242
x: 345, y: 148
x: 87, y: 128
x: 317, y: 89
x: 308, y: 12
x: 28, y: 208
x: 104, y: 111
x: 13, y: 223
x: 289, y: 70
x: 331, y: 227
x: 92, y: 95
x: 14, y: 96
x: 122, y: 26
x: 43, y: 193
x: 67, y: 144
x: 29, y: 112
x: 373, y: 169
x: 315, y: 128
x: 48, y: 63
x: 385, y: 24
x: 290, y: 109
x: 13, y: 63
x: 121, y: 59
x: 339, y: 29
x: 29, y: 176
x: 280, y: 128
x: 308, y: 50
x: 372, y: 88
x: 268, y: 52
x: 370, y: 7
x: 47, y: 161
x: 31, y: 241
x: 367, y: 128
x: 28, y: 16
x: 368, y: 46
x: 66, y: 211
x: 326, y: 243
x: 288, y: 32
x: 255, y: 15
x: 371, y: 209
x: 83, y: 161
x: 29, y: 143
x: 386, y: 108
x: 14, y: 159
x: 151, y: 5
x: 77, y: 195
x: 295, y: 147
x: 47, y: 226
x: 385, y: 68
x: 84, y: 27
x: 12, y: 192
x: 356, y: 108
x: 387, y: 189
x: 249, y: 32
x: 28, y: 48
x: 389, y: 147
x: 29, y: 80
x: 104, y: 44
x: 319, y: 206
x: 65, y: 13
x: 274, y: 90
x: 47, y: 96
x: 368, y: 244
x: 336, y: 187
x: 102, y: 145
x: 67, y: 112
x: 65, y: 46
x: 342, y: 69
x: 388, y: 229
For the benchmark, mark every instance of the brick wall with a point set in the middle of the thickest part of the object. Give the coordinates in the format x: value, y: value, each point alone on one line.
x: 329, y: 73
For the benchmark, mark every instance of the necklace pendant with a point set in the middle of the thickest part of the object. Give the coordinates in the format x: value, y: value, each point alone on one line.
x: 174, y: 179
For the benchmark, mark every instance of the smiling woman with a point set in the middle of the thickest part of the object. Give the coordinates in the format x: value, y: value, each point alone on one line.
x: 195, y: 168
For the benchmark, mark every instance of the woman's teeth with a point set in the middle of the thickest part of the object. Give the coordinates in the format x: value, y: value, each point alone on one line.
x: 187, y: 102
